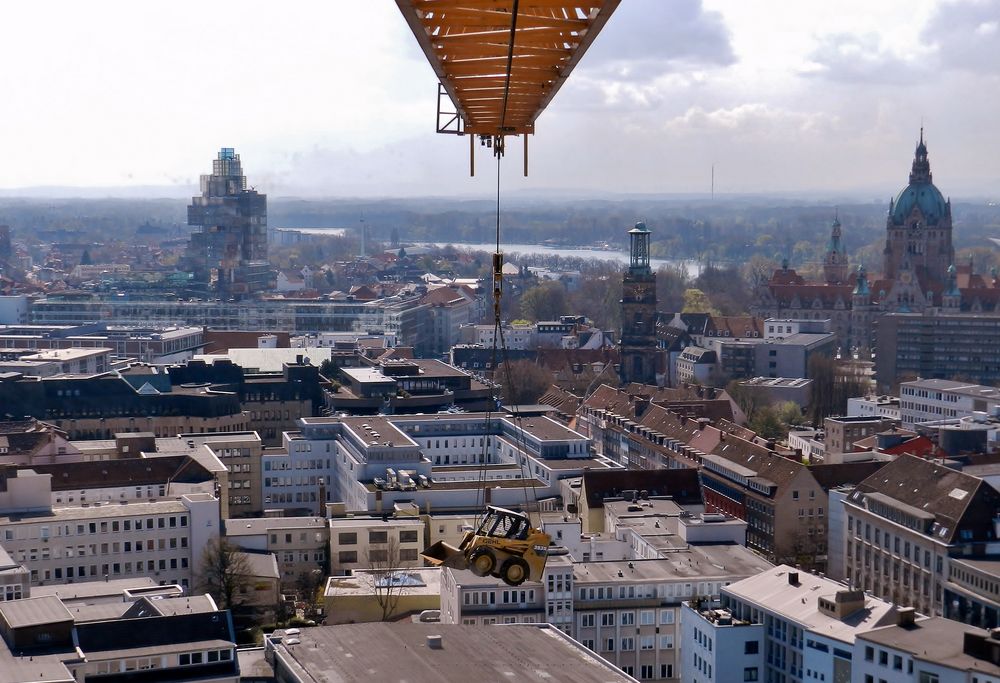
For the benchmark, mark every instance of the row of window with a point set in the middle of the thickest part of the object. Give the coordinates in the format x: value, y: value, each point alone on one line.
x: 113, y: 526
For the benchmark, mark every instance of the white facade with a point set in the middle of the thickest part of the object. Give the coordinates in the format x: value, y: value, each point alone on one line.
x: 446, y: 450
x: 874, y: 406
x: 14, y: 309
x: 366, y: 543
x: 297, y: 478
x: 804, y: 625
x: 701, y: 640
x: 926, y: 400
x: 517, y: 337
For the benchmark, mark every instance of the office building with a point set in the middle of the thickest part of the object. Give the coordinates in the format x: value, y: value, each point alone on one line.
x: 780, y: 625
x: 228, y: 250
x: 906, y: 521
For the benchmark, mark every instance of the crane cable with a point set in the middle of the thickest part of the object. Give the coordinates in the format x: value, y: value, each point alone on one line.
x: 499, y: 342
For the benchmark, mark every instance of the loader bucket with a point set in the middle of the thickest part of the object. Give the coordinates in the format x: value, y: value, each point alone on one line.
x: 443, y: 555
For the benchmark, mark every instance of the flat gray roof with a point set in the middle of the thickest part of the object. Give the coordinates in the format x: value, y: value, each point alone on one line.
x: 692, y: 563
x: 92, y: 591
x: 935, y: 640
x: 34, y: 611
x: 263, y: 525
x: 518, y: 652
x: 799, y: 602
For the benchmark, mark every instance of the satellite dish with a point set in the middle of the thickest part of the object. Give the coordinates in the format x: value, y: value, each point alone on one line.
x: 305, y: 361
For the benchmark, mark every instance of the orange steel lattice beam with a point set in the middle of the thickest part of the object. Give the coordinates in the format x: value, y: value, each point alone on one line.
x: 468, y: 44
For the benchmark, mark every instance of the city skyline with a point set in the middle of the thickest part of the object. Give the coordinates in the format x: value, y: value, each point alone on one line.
x: 331, y: 101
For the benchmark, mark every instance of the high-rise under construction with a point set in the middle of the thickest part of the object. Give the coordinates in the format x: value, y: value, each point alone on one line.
x: 228, y: 251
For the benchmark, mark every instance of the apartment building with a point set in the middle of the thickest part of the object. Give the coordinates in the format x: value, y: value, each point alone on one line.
x: 297, y: 480
x: 935, y: 346
x: 906, y: 521
x: 370, y: 596
x: 434, y: 653
x: 100, y: 406
x: 145, y: 343
x: 401, y: 315
x: 625, y: 611
x: 455, y: 454
x: 780, y: 625
x: 176, y: 639
x: 933, y: 650
x: 932, y: 400
x: 15, y: 582
x: 841, y: 433
x: 98, y: 541
x: 75, y: 361
x: 375, y: 543
x: 874, y: 406
x: 301, y: 545
x: 275, y: 396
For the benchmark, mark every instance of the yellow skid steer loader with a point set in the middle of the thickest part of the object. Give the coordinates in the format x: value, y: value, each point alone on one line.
x: 505, y: 546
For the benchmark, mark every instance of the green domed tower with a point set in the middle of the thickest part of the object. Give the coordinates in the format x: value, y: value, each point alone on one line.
x: 918, y: 228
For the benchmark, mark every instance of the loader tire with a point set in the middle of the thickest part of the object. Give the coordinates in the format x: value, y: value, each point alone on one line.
x: 514, y: 571
x: 482, y: 562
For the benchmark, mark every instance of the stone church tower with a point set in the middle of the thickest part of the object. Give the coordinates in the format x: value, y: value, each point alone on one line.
x: 638, y: 344
x: 918, y: 228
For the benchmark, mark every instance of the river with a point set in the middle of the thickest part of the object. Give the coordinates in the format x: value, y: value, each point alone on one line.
x: 691, y: 266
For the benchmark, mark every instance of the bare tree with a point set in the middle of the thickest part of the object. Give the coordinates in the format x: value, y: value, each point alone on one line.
x: 522, y: 381
x: 225, y: 572
x: 387, y: 583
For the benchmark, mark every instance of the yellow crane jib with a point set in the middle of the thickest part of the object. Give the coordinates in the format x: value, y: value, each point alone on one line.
x: 500, y: 62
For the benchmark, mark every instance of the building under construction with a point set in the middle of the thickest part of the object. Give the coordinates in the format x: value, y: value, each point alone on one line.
x: 228, y: 251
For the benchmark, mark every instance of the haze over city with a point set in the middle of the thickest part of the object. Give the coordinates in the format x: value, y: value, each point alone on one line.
x: 323, y: 99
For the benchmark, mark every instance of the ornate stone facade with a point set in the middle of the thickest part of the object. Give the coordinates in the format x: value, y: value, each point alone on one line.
x: 919, y: 274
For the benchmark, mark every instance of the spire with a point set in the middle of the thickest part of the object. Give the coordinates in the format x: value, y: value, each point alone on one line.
x: 921, y: 171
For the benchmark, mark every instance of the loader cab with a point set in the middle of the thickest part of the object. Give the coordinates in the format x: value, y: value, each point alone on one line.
x: 502, y: 523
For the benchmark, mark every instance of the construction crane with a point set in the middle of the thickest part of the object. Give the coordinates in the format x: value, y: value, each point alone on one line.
x: 499, y: 63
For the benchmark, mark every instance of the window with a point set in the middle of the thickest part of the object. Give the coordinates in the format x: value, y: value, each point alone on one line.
x: 750, y: 673
x: 607, y: 618
x: 628, y: 618
x: 897, y: 662
x: 586, y: 620
x: 408, y: 554
x: 348, y: 539
x: 407, y: 536
x: 378, y: 536
x: 647, y: 642
x: 348, y: 556
x: 751, y: 647
x: 869, y: 653
x: 647, y: 617
x: 927, y: 677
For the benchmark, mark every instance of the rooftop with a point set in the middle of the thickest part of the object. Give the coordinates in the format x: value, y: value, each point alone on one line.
x: 418, y: 581
x: 773, y: 591
x: 700, y: 562
x: 518, y: 652
x: 936, y: 640
x: 262, y: 525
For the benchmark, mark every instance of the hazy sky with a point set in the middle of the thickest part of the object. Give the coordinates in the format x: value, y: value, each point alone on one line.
x: 334, y: 98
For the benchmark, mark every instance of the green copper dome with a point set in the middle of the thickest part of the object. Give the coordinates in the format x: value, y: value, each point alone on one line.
x: 921, y: 192
x: 925, y: 195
